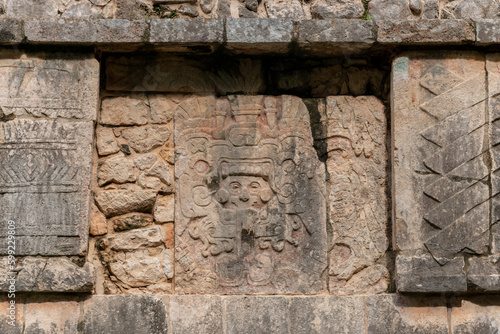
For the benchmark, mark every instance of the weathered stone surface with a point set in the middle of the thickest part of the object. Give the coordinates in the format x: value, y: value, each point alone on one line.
x: 139, y: 74
x: 48, y: 275
x: 283, y: 8
x: 139, y: 268
x: 399, y: 314
x: 274, y: 35
x: 106, y: 141
x: 440, y: 142
x: 162, y: 171
x: 187, y: 31
x: 31, y: 8
x: 484, y: 273
x: 247, y: 315
x: 125, y: 314
x: 46, y: 314
x: 381, y: 10
x: 79, y: 31
x: 426, y: 31
x: 325, y: 314
x: 196, y: 314
x: 145, y: 161
x: 119, y: 202
x: 476, y: 315
x: 11, y: 314
x: 134, y: 240
x: 162, y: 108
x: 117, y: 169
x: 130, y: 221
x: 251, y: 212
x: 124, y: 111
x: 244, y: 12
x: 488, y: 31
x: 164, y: 209
x: 144, y: 139
x: 351, y: 134
x: 327, y: 10
x: 207, y: 6
x: 472, y: 9
x: 11, y: 31
x: 82, y: 10
x: 98, y: 224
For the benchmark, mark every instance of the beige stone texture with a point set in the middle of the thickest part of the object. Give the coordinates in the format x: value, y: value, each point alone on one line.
x: 164, y: 209
x: 130, y: 221
x: 144, y: 139
x: 475, y: 315
x: 119, y: 202
x: 116, y: 169
x: 106, y: 141
x: 126, y: 110
x: 134, y: 240
x: 98, y: 224
x: 11, y: 313
x: 46, y: 314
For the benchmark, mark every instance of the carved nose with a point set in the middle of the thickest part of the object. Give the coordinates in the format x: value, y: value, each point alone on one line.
x: 244, y: 196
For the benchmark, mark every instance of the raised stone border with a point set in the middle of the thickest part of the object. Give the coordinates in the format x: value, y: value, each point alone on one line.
x: 245, y: 35
x: 140, y: 314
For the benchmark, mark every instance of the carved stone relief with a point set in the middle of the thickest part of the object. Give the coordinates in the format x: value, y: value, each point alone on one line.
x: 250, y: 215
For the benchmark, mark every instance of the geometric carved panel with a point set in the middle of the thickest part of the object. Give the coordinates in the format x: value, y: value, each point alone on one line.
x: 444, y: 153
x: 47, y: 108
x: 251, y: 212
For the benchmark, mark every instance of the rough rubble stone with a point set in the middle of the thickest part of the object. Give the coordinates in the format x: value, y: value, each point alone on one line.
x: 124, y: 111
x: 57, y: 274
x: 45, y: 314
x: 145, y: 161
x: 116, y: 169
x: 98, y: 224
x: 187, y: 30
x: 124, y: 314
x: 162, y: 171
x: 252, y: 5
x: 134, y: 240
x: 327, y: 314
x: 387, y: 314
x: 244, y: 12
x: 106, y: 141
x: 207, y: 6
x: 284, y: 8
x: 475, y: 315
x: 11, y: 31
x: 139, y: 268
x: 188, y: 10
x: 477, y: 9
x: 196, y: 314
x: 119, y: 202
x: 484, y: 273
x: 426, y: 31
x: 223, y: 9
x: 251, y: 213
x: 246, y: 315
x: 162, y: 108
x: 82, y: 10
x: 164, y: 209
x: 130, y: 221
x: 431, y: 9
x: 31, y: 8
x: 144, y: 139
x: 382, y: 10
x: 327, y: 10
x: 351, y: 134
x: 488, y: 31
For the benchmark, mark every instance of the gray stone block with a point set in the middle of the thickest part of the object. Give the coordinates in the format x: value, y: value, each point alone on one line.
x: 31, y: 8
x: 250, y: 315
x: 124, y: 314
x: 478, y: 315
x: 488, y: 31
x: 425, y: 31
x: 259, y: 35
x: 201, y: 31
x: 195, y: 314
x: 389, y: 314
x: 484, y: 273
x: 77, y: 31
x: 327, y: 314
x: 11, y: 31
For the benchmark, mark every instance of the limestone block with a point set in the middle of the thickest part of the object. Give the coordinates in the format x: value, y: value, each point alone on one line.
x: 484, y: 273
x: 134, y: 240
x: 117, y: 169
x: 351, y: 133
x: 82, y: 10
x: 327, y: 314
x: 441, y: 140
x: 327, y: 10
x: 98, y: 224
x: 119, y: 202
x: 196, y: 314
x: 389, y: 314
x: 48, y: 315
x: 476, y: 315
x: 381, y: 10
x: 144, y: 139
x: 251, y: 214
x: 488, y: 31
x: 31, y: 8
x: 187, y: 30
x: 11, y: 314
x: 246, y: 315
x: 162, y: 108
x: 474, y: 9
x: 130, y: 221
x: 124, y: 314
x: 284, y: 8
x: 106, y: 141
x: 138, y: 268
x: 164, y: 209
x: 57, y: 274
x: 145, y: 161
x: 124, y: 111
x: 12, y: 31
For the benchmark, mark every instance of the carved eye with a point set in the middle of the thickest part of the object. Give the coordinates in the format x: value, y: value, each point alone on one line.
x: 254, y: 186
x: 235, y: 186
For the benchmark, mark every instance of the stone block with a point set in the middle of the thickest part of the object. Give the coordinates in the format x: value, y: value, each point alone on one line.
x: 250, y: 215
x: 164, y: 209
x: 116, y: 169
x: 134, y: 240
x: 196, y: 314
x: 484, y: 273
x: 11, y: 314
x: 191, y: 31
x: 144, y: 139
x: 351, y: 136
x: 46, y: 314
x: 284, y: 8
x: 259, y: 35
x: 475, y: 315
x: 327, y: 314
x: 48, y: 275
x: 126, y: 110
x: 31, y: 8
x: 124, y: 314
x: 86, y: 31
x: 426, y: 32
x: 327, y: 10
x: 246, y: 315
x: 383, y: 10
x: 98, y: 224
x: 487, y: 31
x: 119, y: 202
x: 387, y: 314
x: 422, y: 273
x: 11, y: 31
x: 106, y: 141
x: 130, y: 221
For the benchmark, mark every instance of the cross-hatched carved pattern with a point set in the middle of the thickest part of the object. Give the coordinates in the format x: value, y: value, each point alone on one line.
x: 457, y: 208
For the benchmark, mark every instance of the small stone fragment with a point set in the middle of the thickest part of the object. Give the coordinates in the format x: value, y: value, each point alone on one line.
x: 119, y: 202
x: 164, y: 209
x: 82, y: 10
x: 144, y: 139
x: 161, y: 171
x: 124, y: 111
x: 161, y: 109
x: 188, y: 10
x: 167, y: 264
x: 168, y: 154
x: 117, y: 169
x: 97, y: 222
x: 145, y: 161
x: 281, y: 8
x: 207, y: 6
x: 130, y: 221
x: 106, y: 142
x: 252, y: 5
x: 416, y: 6
x: 223, y: 9
x: 244, y: 12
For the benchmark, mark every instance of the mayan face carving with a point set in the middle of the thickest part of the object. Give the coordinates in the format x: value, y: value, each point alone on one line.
x: 250, y: 215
